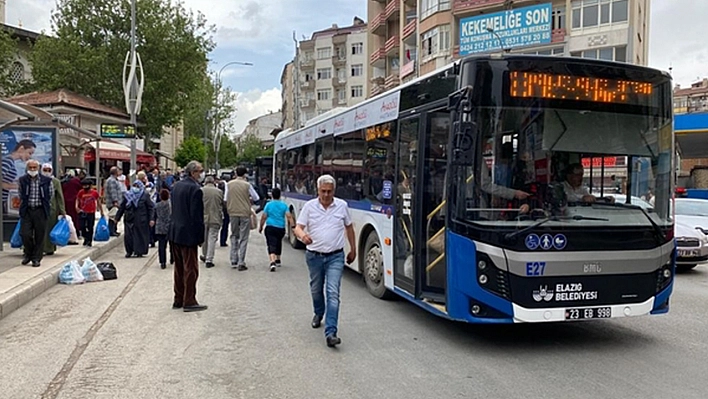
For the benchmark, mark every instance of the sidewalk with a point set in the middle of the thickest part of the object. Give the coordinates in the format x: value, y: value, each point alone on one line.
x: 20, y: 284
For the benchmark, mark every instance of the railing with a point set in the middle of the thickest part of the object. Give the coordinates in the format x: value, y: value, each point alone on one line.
x: 459, y: 6
x: 392, y: 43
x: 377, y: 89
x: 377, y: 55
x: 392, y: 8
x: 377, y: 23
x: 410, y: 28
x: 558, y: 35
x: 392, y: 80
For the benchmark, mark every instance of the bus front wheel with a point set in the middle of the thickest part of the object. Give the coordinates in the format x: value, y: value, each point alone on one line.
x: 374, y: 267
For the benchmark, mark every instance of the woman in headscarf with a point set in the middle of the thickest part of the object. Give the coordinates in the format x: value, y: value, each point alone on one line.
x: 56, y: 207
x: 138, y: 210
x: 71, y: 187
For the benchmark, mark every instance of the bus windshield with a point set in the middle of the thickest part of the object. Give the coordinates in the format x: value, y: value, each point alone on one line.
x: 573, y: 162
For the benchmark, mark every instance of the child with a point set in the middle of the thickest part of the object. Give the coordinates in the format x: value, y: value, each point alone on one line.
x: 86, y: 205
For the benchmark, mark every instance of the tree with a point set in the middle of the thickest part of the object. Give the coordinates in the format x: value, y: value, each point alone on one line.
x: 228, y: 152
x: 92, y: 39
x: 191, y: 149
x: 250, y: 148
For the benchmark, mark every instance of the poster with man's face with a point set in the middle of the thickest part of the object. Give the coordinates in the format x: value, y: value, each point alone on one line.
x: 19, y: 145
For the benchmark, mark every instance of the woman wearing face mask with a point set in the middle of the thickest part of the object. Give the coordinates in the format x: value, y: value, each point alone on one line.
x: 138, y: 210
x: 86, y: 205
x: 56, y: 207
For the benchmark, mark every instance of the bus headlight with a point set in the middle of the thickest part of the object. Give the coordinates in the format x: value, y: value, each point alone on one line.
x: 482, y: 265
x: 483, y: 279
x: 491, y: 278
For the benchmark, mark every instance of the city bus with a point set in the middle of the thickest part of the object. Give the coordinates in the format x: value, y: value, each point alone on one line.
x: 483, y: 191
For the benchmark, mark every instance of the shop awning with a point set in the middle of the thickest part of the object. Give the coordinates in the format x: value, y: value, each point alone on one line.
x: 116, y: 151
x: 692, y: 134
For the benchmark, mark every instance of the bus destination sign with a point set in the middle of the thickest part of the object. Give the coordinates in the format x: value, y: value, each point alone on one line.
x: 117, y: 131
x: 579, y: 88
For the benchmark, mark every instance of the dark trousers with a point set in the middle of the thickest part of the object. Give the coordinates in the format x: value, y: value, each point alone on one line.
x: 186, y: 274
x: 274, y: 239
x: 112, y: 226
x: 162, y: 248
x: 32, y: 230
x: 223, y: 240
x: 87, y: 222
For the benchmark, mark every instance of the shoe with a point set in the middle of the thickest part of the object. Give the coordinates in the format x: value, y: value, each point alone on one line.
x: 25, y: 260
x: 209, y: 265
x: 316, y: 321
x: 35, y: 263
x: 163, y: 266
x: 224, y: 245
x: 272, y: 267
x: 48, y: 253
x: 128, y: 255
x: 242, y: 268
x: 277, y: 263
x: 195, y: 308
x: 333, y: 340
x: 176, y: 305
x: 172, y: 261
x: 202, y: 258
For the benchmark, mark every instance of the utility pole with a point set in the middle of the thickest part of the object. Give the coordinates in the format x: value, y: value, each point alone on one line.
x: 296, y: 101
x: 133, y: 87
x: 217, y: 89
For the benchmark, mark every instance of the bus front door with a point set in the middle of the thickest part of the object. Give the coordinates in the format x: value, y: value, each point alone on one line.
x: 406, y: 240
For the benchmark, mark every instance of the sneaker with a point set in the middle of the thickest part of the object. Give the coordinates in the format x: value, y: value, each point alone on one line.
x: 242, y: 268
x: 333, y: 340
x: 277, y: 263
x: 272, y: 267
x: 209, y: 265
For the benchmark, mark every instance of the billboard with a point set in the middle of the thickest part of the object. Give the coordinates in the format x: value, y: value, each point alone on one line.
x: 519, y: 27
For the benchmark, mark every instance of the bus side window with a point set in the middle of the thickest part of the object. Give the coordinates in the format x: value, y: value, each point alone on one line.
x: 380, y: 163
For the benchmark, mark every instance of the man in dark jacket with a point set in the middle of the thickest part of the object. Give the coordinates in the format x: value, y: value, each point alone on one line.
x: 35, y: 197
x: 185, y: 237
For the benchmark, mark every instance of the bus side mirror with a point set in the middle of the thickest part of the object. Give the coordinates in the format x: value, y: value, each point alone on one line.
x: 463, y: 142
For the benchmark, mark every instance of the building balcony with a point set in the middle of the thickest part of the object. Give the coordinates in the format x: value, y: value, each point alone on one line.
x: 378, y: 80
x: 307, y: 63
x: 410, y: 3
x: 377, y: 26
x: 392, y: 11
x: 410, y: 28
x: 338, y: 102
x: 339, y: 60
x: 307, y: 103
x: 378, y: 57
x: 558, y: 35
x: 392, y: 45
x: 407, y: 69
x: 465, y: 6
x: 307, y: 84
x: 392, y: 80
x: 339, y: 39
x: 377, y: 89
x: 339, y: 81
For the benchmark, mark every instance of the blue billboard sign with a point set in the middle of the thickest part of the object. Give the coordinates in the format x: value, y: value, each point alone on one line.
x: 515, y: 28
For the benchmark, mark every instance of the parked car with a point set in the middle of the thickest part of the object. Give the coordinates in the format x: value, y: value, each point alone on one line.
x: 691, y: 229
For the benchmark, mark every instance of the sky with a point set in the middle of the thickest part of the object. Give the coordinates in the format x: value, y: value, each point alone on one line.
x: 260, y: 32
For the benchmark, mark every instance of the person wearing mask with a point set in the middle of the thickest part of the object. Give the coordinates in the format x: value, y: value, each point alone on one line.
x: 138, y: 210
x: 71, y: 188
x: 87, y: 203
x: 239, y: 197
x: 56, y: 207
x: 187, y: 220
x: 213, y: 203
x: 321, y: 226
x: 275, y: 217
x: 163, y: 220
x: 114, y: 196
x: 35, y: 194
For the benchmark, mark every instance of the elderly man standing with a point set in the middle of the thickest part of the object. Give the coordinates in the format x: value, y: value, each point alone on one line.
x: 187, y: 221
x: 213, y: 204
x: 56, y: 207
x: 240, y: 196
x: 321, y: 226
x: 114, y: 196
x: 35, y: 207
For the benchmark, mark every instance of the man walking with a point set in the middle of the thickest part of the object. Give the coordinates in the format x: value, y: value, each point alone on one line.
x: 114, y: 196
x: 35, y: 207
x: 321, y: 226
x: 213, y: 204
x: 239, y: 197
x: 187, y: 221
x: 224, y: 235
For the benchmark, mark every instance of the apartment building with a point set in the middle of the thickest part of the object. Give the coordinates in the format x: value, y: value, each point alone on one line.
x: 287, y: 93
x: 691, y: 99
x: 330, y: 71
x: 409, y: 38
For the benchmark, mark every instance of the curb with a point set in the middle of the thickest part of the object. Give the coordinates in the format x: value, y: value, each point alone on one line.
x: 25, y: 292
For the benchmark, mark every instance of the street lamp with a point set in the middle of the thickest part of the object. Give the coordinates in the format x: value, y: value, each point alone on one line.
x: 217, y: 138
x: 501, y: 43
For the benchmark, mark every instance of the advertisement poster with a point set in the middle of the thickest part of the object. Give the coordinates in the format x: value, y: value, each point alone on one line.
x: 19, y: 145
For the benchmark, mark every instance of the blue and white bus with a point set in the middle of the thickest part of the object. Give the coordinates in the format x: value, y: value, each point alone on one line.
x: 483, y: 192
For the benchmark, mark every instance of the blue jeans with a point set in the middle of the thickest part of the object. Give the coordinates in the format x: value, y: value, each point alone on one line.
x: 327, y: 268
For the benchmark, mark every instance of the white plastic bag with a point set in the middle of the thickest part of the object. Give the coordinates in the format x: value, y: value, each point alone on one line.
x: 90, y: 271
x: 73, y: 237
x: 71, y: 274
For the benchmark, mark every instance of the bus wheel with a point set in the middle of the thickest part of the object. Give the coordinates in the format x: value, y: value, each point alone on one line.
x: 294, y: 242
x: 374, y: 267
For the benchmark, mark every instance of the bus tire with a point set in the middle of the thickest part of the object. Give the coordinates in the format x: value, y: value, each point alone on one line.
x: 294, y: 242
x: 373, y: 267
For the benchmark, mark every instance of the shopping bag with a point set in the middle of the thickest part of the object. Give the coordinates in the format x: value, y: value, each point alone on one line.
x: 71, y: 274
x: 60, y: 233
x: 16, y: 239
x: 73, y: 237
x: 254, y: 220
x: 102, y: 232
x: 90, y: 271
x: 108, y: 271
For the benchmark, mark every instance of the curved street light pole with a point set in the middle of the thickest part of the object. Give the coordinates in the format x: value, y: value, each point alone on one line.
x: 217, y: 138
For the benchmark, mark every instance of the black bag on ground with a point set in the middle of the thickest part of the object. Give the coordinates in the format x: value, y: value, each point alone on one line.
x: 108, y: 270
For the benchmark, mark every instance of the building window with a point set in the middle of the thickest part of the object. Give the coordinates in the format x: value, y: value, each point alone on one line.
x: 430, y: 7
x: 357, y: 48
x: 341, y: 53
x: 324, y: 73
x: 590, y: 13
x: 323, y: 94
x: 558, y: 18
x: 342, y: 95
x: 436, y: 42
x: 558, y: 51
x: 17, y: 72
x: 324, y: 53
x: 357, y: 91
x: 357, y: 70
x: 618, y: 54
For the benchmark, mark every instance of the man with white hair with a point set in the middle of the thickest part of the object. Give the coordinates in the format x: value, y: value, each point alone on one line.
x: 35, y: 195
x: 321, y: 225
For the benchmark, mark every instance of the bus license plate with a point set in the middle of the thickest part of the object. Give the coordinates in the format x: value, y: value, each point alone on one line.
x: 588, y: 313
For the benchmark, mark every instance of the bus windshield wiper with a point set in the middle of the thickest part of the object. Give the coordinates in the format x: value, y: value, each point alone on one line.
x: 509, y: 236
x: 656, y: 227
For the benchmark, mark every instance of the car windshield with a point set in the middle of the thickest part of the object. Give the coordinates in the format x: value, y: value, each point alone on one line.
x: 691, y: 207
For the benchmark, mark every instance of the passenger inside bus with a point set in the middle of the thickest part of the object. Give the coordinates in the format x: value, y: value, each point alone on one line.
x: 573, y: 186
